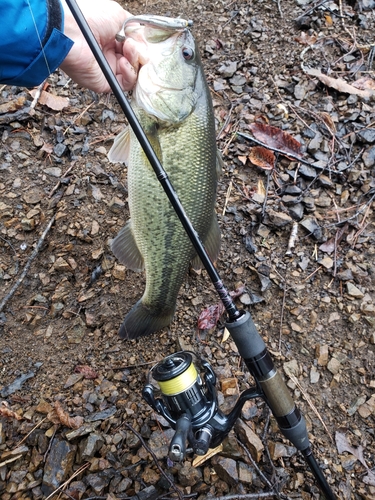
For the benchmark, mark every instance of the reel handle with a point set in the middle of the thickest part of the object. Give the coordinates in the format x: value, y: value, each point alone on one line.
x: 177, y: 447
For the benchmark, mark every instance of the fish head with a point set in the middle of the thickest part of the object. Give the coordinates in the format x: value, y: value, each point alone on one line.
x: 166, y: 87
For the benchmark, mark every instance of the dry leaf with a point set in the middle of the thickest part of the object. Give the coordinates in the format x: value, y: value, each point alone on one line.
x: 328, y: 121
x: 226, y: 335
x: 55, y: 102
x: 6, y: 412
x: 343, y: 445
x: 276, y: 138
x: 261, y: 189
x: 209, y: 318
x: 86, y: 371
x: 305, y: 39
x: 364, y: 83
x: 60, y: 416
x: 338, y: 83
x: 198, y: 461
x: 262, y: 157
x: 48, y: 148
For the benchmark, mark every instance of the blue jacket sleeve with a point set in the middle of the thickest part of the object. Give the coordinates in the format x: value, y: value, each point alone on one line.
x: 32, y: 42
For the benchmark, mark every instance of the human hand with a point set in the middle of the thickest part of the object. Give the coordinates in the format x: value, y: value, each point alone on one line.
x: 105, y: 18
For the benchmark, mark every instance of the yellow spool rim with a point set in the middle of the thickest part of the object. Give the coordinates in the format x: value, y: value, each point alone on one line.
x: 180, y: 383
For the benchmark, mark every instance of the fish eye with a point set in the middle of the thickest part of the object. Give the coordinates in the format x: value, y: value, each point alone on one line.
x: 187, y: 53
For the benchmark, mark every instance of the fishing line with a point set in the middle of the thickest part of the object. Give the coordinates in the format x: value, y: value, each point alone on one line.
x: 38, y: 35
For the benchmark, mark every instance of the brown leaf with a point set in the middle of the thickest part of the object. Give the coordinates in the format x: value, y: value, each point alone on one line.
x: 305, y: 39
x: 6, y: 412
x: 262, y: 157
x: 276, y: 138
x: 60, y: 416
x: 338, y: 83
x: 209, y: 318
x: 364, y: 83
x: 330, y: 124
x: 86, y: 371
x: 55, y: 102
x: 343, y: 445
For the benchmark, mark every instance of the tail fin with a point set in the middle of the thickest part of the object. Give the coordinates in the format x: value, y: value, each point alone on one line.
x: 141, y: 321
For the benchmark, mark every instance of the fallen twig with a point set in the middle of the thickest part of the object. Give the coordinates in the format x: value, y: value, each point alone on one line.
x: 74, y: 475
x: 27, y: 266
x: 292, y: 238
x: 14, y: 250
x: 59, y: 181
x: 284, y: 153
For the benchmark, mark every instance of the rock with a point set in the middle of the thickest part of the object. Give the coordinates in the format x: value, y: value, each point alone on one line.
x: 116, y: 205
x: 61, y: 265
x: 307, y: 171
x: 293, y: 190
x: 277, y: 219
x: 326, y: 262
x: 53, y: 171
x: 226, y: 469
x: 296, y: 211
x: 159, y: 442
x: 249, y: 439
x: 189, y: 475
x: 58, y: 466
x: 28, y: 224
x: 245, y: 473
x: 90, y: 446
x: 313, y: 228
x: 314, y: 375
x: 353, y: 291
x: 366, y: 135
x: 314, y: 146
x: 59, y: 149
x: 345, y: 275
x: 289, y: 199
x: 309, y: 203
x: 150, y: 476
x: 368, y: 157
x: 279, y: 450
x: 322, y: 354
x: 97, y: 482
x: 33, y: 196
x: 228, y: 69
x: 334, y: 366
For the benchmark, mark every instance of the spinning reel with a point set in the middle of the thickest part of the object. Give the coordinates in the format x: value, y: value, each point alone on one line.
x: 189, y: 403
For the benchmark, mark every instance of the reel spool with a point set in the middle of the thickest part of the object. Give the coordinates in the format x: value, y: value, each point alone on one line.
x: 189, y: 403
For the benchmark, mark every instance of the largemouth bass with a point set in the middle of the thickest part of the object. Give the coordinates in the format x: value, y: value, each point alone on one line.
x: 173, y: 104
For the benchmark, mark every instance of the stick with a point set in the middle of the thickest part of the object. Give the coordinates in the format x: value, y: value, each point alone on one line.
x: 284, y: 153
x: 28, y: 264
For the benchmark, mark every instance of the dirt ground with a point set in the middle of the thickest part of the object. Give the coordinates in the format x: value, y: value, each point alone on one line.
x: 313, y: 305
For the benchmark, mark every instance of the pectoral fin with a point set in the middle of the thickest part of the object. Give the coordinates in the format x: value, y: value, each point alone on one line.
x: 120, y: 150
x: 211, y: 243
x: 125, y: 249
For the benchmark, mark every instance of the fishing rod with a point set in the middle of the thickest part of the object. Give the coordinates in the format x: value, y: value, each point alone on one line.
x: 190, y: 405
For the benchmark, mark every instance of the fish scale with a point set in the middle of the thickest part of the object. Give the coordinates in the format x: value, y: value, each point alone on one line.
x: 179, y: 123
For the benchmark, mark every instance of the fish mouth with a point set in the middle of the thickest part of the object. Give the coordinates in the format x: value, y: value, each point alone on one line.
x: 161, y: 22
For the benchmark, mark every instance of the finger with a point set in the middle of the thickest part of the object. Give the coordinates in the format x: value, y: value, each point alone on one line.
x: 125, y: 74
